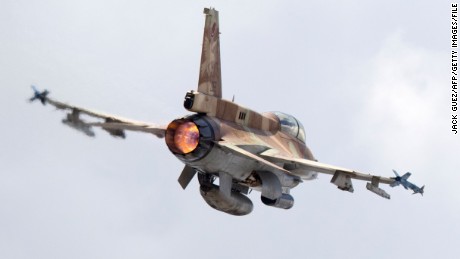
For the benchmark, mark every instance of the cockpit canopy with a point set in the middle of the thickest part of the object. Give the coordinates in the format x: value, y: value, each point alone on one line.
x: 291, y: 126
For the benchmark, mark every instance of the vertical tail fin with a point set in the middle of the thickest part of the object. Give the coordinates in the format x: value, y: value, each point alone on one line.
x: 210, y: 81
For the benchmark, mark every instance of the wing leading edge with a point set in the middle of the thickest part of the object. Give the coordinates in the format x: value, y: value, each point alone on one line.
x: 341, y: 177
x: 307, y: 169
x: 114, y: 125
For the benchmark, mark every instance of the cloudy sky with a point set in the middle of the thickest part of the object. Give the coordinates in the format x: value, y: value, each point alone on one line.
x: 369, y: 81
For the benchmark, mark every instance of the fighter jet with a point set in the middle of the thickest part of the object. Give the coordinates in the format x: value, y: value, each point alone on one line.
x: 405, y: 183
x: 244, y: 149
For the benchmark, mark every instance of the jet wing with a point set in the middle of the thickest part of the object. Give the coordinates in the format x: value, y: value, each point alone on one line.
x: 115, y: 125
x: 322, y: 168
x: 341, y: 176
x: 227, y: 146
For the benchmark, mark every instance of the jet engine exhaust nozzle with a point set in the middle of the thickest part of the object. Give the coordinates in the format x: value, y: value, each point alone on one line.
x: 182, y: 136
x: 191, y: 138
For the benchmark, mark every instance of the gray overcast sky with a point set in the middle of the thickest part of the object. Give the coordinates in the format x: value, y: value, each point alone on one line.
x: 368, y: 79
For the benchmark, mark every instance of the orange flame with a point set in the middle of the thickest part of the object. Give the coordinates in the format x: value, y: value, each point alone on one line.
x: 186, y: 137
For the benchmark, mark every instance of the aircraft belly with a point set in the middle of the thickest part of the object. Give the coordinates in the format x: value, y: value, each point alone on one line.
x: 239, y: 167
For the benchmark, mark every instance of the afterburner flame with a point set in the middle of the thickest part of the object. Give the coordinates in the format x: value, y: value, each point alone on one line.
x: 186, y: 137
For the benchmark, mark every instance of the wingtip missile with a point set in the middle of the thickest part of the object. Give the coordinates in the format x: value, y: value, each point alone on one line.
x: 404, y: 182
x: 42, y: 96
